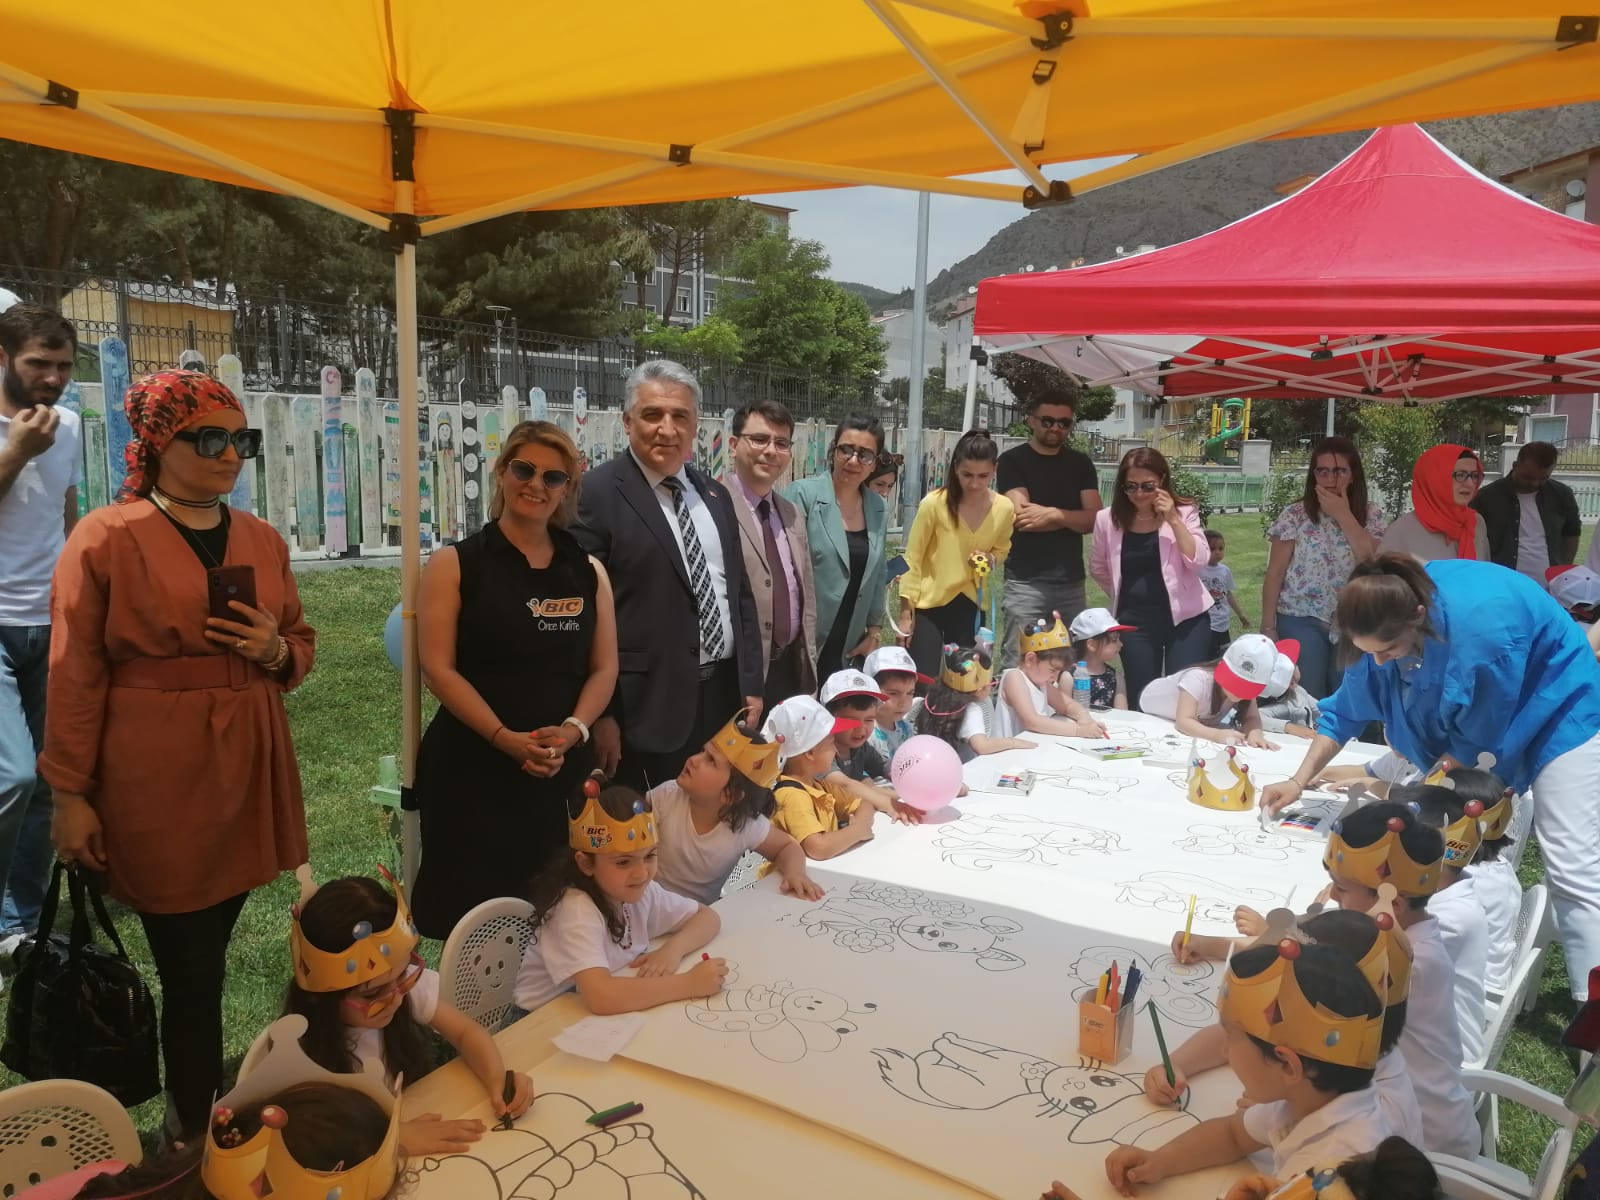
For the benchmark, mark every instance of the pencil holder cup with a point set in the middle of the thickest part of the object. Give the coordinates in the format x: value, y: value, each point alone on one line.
x: 1102, y: 1033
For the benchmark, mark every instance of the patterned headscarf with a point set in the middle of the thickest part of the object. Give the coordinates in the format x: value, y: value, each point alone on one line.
x: 159, y: 406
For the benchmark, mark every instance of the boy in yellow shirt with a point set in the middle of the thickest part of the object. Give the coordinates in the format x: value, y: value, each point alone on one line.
x: 809, y: 806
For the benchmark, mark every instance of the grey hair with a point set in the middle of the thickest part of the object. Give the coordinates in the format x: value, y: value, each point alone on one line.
x: 664, y: 371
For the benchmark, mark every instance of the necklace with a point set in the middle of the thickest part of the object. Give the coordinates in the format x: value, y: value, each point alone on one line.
x: 171, y: 499
x: 190, y: 535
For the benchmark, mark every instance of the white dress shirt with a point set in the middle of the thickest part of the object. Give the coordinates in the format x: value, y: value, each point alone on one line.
x: 705, y: 525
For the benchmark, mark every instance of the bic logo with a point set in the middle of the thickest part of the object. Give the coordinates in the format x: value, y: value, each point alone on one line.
x: 571, y: 606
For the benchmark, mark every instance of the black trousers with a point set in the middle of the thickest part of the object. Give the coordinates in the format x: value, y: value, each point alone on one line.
x: 783, y: 675
x: 955, y: 623
x: 191, y: 955
x: 1150, y: 652
x: 716, y: 699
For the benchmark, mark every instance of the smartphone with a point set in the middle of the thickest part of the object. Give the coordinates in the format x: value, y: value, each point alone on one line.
x: 226, y: 584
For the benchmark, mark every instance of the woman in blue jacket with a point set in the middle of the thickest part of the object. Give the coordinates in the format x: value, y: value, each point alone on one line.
x: 1460, y: 657
x: 846, y: 524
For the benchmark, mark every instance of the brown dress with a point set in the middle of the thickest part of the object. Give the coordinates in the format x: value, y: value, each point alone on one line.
x: 183, y: 750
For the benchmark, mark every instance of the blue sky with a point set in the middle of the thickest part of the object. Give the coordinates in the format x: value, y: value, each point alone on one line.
x: 871, y: 233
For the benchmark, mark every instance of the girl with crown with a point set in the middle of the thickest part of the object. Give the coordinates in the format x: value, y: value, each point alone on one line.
x: 366, y: 998
x: 598, y: 908
x: 1303, y: 1028
x: 1031, y: 699
x: 717, y: 810
x: 953, y: 708
x: 1216, y: 701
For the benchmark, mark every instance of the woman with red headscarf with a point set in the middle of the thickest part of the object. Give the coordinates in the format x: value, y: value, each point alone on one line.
x: 1440, y: 523
x: 167, y: 747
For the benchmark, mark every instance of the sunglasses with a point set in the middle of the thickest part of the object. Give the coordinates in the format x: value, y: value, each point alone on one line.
x: 858, y: 453
x: 1467, y: 476
x: 372, y: 1004
x: 1055, y: 422
x: 524, y: 472
x: 211, y: 440
x: 1131, y: 488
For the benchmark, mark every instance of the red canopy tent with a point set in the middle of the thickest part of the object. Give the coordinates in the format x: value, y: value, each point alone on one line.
x: 1402, y: 274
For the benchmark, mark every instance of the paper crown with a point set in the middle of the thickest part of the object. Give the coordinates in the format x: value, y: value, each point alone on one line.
x: 371, y: 952
x: 1387, y: 965
x: 1497, y: 817
x: 1272, y: 1007
x: 756, y: 761
x: 1385, y: 861
x: 1319, y: 1183
x: 236, y: 1169
x: 1036, y: 638
x: 972, y: 677
x: 1463, y: 837
x: 1237, y: 796
x: 597, y: 832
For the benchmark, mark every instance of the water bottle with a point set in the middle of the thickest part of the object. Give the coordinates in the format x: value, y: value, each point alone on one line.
x: 1080, y: 684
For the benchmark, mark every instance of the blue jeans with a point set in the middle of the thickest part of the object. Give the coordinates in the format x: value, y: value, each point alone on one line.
x: 1320, y: 672
x: 24, y: 797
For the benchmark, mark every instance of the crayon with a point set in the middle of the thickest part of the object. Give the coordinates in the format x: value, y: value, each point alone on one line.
x: 619, y: 1114
x: 1166, y: 1059
x: 607, y: 1114
x: 508, y: 1094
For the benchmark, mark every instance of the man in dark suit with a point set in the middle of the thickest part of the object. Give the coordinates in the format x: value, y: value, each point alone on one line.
x: 690, y: 652
x: 777, y: 556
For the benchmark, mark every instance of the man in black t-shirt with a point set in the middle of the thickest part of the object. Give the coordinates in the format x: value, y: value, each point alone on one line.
x: 1057, y: 493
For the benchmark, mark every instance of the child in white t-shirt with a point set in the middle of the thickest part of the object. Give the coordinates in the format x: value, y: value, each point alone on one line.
x: 598, y: 909
x: 1218, y: 580
x: 718, y: 809
x: 951, y: 710
x: 1216, y: 702
x: 1033, y: 695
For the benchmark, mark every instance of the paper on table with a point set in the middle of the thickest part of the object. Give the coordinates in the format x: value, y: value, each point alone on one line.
x: 600, y: 1038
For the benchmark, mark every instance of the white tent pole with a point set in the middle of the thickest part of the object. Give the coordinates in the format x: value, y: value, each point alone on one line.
x: 1330, y: 416
x: 911, y: 496
x: 405, y: 309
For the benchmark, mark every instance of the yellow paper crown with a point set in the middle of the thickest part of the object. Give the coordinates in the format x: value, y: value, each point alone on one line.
x: 233, y: 1169
x: 371, y: 952
x: 1238, y: 796
x: 1387, y: 965
x: 598, y: 832
x: 1497, y: 817
x: 756, y: 761
x: 1271, y: 1006
x: 1319, y: 1183
x: 972, y: 677
x: 1463, y: 837
x: 1039, y: 639
x: 1385, y: 861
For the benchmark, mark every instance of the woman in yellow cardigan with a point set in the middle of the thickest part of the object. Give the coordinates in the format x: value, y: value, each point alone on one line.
x: 939, y: 591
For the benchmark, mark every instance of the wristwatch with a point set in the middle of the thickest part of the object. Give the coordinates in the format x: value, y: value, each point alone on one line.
x: 583, y: 730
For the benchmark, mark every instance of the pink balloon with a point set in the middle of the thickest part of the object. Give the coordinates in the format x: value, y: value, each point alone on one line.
x: 926, y: 772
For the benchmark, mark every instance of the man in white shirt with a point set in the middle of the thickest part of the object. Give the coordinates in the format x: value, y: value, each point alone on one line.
x: 1532, y: 520
x: 41, y: 468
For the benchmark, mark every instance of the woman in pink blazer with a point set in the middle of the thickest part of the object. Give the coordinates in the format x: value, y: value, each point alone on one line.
x: 1147, y: 555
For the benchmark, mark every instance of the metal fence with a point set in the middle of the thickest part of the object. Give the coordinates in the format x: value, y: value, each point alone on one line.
x: 284, y: 343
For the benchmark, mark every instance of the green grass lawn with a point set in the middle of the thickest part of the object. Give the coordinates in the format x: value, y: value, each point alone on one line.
x: 347, y: 714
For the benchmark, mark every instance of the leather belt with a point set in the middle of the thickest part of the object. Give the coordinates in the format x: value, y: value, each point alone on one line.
x: 709, y: 670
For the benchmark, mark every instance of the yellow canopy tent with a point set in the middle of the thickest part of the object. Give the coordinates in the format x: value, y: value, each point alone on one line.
x: 392, y: 110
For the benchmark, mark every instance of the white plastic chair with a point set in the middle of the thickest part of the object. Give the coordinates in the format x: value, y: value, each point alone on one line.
x: 1521, y: 827
x: 744, y: 873
x: 1502, y: 1015
x: 1536, y: 929
x: 1495, y: 1180
x: 478, y: 969
x: 58, y: 1125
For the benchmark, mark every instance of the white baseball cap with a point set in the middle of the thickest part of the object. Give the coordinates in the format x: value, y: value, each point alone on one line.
x: 892, y: 658
x: 800, y: 723
x: 8, y: 299
x: 849, y: 682
x: 1250, y: 662
x: 1096, y: 622
x: 1574, y: 587
x: 1282, y: 674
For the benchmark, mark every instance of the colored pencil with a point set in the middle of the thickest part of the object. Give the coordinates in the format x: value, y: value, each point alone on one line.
x: 1188, y: 922
x: 508, y: 1094
x: 1166, y: 1059
x: 610, y: 1112
x: 1128, y: 993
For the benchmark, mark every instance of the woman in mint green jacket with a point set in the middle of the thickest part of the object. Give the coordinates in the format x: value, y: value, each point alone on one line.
x: 846, y: 525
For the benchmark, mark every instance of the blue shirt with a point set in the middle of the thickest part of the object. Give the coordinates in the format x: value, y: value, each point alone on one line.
x: 1509, y: 673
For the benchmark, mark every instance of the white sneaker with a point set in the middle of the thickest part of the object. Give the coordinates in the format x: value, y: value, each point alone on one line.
x: 8, y: 950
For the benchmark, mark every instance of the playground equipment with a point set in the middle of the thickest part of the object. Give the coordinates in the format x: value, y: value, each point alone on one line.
x: 1230, y: 420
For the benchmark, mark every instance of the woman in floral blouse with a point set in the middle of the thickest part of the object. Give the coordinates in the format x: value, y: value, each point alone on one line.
x: 1315, y: 543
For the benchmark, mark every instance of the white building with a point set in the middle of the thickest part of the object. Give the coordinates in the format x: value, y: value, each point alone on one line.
x: 896, y: 326
x: 958, y: 354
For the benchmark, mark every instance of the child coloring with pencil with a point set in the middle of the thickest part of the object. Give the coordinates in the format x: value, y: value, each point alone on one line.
x: 367, y: 996
x: 952, y: 710
x: 1097, y: 642
x: 718, y: 809
x: 598, y: 907
x: 1303, y: 1026
x: 1031, y: 698
x: 1216, y: 701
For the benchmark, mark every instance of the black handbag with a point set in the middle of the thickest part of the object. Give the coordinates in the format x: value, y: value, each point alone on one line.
x: 78, y: 1010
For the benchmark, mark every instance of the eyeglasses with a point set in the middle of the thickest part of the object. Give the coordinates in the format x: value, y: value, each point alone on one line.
x: 762, y: 440
x: 1055, y: 422
x: 858, y: 453
x: 1130, y: 487
x: 525, y: 471
x: 1330, y: 472
x: 1467, y: 476
x: 211, y: 440
x: 371, y: 1004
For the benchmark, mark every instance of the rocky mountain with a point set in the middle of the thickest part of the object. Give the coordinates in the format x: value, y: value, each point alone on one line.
x: 1192, y: 198
x: 877, y: 299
